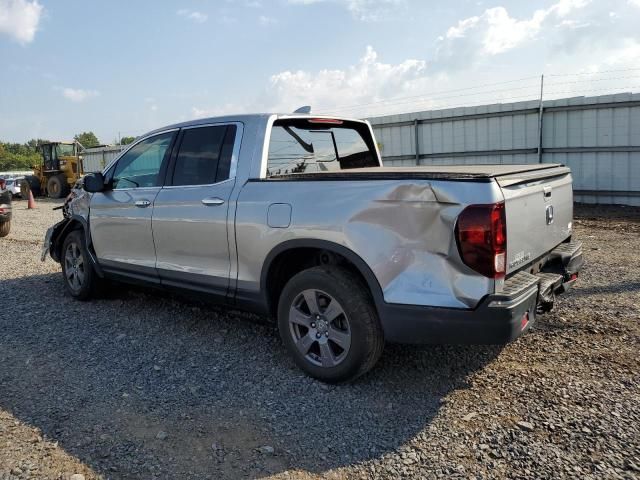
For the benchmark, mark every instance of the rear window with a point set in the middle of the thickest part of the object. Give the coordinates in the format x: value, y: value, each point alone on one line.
x: 310, y: 146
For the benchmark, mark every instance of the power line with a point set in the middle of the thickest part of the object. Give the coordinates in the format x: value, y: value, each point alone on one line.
x: 426, y: 98
x: 599, y: 90
x: 441, y: 91
x: 587, y: 80
x: 422, y: 99
x: 593, y: 73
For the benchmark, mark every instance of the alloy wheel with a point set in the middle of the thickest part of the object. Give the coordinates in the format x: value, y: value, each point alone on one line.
x: 74, y: 266
x: 320, y: 328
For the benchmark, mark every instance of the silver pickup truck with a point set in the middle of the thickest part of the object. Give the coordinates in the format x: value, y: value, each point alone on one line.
x: 296, y: 217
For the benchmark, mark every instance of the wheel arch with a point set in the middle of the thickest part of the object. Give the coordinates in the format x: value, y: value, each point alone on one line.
x: 61, y: 230
x: 271, y: 284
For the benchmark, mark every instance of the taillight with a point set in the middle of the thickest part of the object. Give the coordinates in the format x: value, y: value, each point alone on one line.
x: 481, y: 233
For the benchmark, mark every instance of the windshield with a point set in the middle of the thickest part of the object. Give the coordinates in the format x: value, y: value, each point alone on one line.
x: 319, y: 145
x: 64, y: 150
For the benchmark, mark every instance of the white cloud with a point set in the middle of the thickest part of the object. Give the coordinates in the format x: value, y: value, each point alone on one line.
x: 266, y: 21
x: 20, y: 19
x: 495, y: 31
x: 368, y: 80
x: 365, y: 10
x: 193, y: 15
x: 78, y: 94
x: 226, y: 19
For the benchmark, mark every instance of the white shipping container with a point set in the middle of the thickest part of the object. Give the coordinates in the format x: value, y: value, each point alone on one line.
x: 95, y: 159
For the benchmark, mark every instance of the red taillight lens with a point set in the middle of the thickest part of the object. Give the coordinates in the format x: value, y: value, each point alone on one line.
x: 481, y: 233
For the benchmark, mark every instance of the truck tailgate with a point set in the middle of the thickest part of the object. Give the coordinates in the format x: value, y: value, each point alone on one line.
x: 539, y: 212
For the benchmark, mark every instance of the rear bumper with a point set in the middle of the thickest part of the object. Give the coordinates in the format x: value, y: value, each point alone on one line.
x: 499, y: 318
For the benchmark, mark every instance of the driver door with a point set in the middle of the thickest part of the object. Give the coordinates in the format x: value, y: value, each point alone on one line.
x: 120, y: 220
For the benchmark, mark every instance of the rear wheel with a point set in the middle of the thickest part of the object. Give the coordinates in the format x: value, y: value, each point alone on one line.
x: 57, y: 186
x: 80, y: 278
x: 5, y: 228
x: 329, y: 324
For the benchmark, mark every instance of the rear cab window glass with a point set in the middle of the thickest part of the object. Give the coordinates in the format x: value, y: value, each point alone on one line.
x: 319, y: 145
x: 204, y: 155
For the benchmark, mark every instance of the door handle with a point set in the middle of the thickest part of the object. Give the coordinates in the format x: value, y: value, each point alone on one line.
x: 212, y: 201
x: 142, y: 203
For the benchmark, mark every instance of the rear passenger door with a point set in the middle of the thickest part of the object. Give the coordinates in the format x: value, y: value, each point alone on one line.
x: 190, y: 227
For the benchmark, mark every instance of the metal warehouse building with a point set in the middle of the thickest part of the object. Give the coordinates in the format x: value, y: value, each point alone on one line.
x: 597, y: 137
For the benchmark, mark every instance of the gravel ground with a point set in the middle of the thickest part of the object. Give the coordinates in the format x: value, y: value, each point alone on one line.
x: 143, y: 385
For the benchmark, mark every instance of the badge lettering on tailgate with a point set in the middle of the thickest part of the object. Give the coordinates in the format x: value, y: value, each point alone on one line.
x: 519, y: 259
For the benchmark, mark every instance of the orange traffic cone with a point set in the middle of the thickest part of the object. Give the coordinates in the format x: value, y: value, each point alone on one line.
x: 31, y: 203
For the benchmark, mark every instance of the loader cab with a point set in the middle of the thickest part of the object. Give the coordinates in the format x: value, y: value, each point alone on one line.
x: 54, y: 153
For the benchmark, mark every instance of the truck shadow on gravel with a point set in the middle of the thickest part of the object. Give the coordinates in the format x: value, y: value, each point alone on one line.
x: 139, y: 384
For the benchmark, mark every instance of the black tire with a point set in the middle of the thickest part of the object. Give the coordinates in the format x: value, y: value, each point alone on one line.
x: 30, y: 182
x: 57, y: 186
x: 80, y: 279
x: 359, y: 320
x: 5, y: 228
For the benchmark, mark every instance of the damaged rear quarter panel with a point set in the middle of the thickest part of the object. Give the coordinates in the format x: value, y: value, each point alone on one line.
x: 403, y: 229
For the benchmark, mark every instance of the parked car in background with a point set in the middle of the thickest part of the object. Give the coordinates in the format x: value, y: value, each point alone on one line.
x: 13, y: 185
x: 5, y: 209
x: 296, y: 217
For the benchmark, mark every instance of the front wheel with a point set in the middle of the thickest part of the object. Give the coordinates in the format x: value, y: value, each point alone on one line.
x: 57, y: 186
x: 329, y: 324
x: 80, y: 278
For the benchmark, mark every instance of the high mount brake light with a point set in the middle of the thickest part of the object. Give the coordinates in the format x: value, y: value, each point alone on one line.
x: 481, y: 234
x: 333, y: 121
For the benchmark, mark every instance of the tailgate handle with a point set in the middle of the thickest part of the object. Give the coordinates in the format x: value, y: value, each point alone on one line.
x: 547, y: 191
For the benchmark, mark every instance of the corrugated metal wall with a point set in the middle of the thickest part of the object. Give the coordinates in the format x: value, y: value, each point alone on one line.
x: 95, y: 159
x: 598, y: 137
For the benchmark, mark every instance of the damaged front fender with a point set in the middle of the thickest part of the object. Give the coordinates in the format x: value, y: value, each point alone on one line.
x: 52, y: 243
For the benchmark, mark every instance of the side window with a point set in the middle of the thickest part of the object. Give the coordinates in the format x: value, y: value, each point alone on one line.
x: 140, y: 166
x: 204, y: 155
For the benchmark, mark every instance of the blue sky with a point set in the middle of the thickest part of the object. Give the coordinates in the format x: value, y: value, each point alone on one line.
x: 127, y: 67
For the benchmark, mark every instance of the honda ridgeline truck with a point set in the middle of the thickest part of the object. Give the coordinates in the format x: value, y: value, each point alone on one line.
x: 296, y: 217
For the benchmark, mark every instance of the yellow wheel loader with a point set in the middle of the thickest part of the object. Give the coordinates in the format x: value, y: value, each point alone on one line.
x: 60, y: 168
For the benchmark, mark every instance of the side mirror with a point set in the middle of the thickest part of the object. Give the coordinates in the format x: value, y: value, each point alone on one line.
x: 94, y: 182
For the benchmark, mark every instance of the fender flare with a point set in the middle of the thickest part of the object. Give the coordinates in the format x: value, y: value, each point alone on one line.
x: 60, y: 231
x: 371, y: 280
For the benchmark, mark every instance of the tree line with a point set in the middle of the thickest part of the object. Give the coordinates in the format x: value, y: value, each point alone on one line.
x: 23, y: 156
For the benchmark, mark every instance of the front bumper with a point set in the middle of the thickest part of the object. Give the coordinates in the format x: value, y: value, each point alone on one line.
x: 499, y: 318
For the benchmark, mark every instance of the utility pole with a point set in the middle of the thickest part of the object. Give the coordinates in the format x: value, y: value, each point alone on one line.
x: 416, y: 130
x: 540, y: 119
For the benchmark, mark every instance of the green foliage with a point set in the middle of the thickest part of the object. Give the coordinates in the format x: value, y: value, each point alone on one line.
x: 19, y: 156
x: 87, y: 139
x: 127, y: 140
